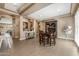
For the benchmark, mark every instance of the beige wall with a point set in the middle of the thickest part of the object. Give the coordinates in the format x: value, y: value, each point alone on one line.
x: 35, y: 25
x: 61, y: 23
x: 22, y: 19
x: 16, y: 27
x: 36, y: 28
x: 42, y: 26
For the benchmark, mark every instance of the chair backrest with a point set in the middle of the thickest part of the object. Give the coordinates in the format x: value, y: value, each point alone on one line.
x: 10, y: 32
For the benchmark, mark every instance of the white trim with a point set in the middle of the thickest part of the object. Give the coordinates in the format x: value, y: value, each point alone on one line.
x: 65, y: 38
x: 22, y: 39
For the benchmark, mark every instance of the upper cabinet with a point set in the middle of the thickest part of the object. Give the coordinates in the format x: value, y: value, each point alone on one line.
x: 5, y: 20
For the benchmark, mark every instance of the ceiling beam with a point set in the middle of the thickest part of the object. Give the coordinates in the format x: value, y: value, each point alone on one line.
x: 73, y: 9
x: 34, y: 8
x: 26, y: 8
x: 9, y: 12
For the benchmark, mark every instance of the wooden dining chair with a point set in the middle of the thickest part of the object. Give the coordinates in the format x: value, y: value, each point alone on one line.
x: 41, y: 37
x: 46, y: 39
x: 53, y: 38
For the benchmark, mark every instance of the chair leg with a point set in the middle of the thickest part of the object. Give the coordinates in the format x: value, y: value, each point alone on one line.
x: 40, y: 41
x: 54, y: 42
x: 43, y: 41
x: 50, y: 42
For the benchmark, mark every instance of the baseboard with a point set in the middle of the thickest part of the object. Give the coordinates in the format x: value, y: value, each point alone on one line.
x: 22, y: 39
x: 65, y: 38
x: 76, y: 45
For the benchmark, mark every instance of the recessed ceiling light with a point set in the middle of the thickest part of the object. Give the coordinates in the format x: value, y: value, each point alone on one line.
x: 58, y: 10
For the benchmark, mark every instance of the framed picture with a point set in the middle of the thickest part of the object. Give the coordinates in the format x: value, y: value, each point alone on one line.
x: 25, y: 26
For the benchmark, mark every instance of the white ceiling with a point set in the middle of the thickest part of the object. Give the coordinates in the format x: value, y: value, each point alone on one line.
x: 35, y: 7
x: 52, y: 10
x: 13, y: 6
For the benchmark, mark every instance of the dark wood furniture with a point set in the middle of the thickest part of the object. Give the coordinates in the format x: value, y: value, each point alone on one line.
x: 44, y: 38
x: 40, y: 37
x: 49, y: 36
x: 51, y: 28
x: 53, y: 38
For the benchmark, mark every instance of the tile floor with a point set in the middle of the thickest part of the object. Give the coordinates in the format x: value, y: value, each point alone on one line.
x: 31, y: 47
